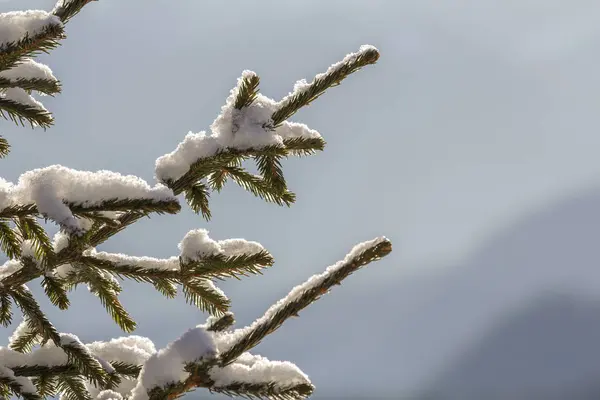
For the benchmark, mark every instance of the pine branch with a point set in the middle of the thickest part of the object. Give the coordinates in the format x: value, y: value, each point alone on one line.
x: 333, y: 77
x: 260, y: 187
x: 30, y: 45
x: 9, y: 241
x: 247, y: 90
x: 202, y: 294
x: 46, y: 86
x: 46, y: 385
x: 300, y: 146
x: 221, y: 323
x: 5, y: 310
x: 67, y: 9
x: 4, y: 147
x: 270, y: 168
x: 220, y: 266
x: 72, y: 388
x: 265, y: 390
x: 107, y: 290
x: 16, y: 211
x: 19, y: 113
x: 30, y: 229
x: 277, y: 316
x: 86, y: 364
x: 126, y: 369
x: 197, y: 197
x: 37, y: 321
x: 14, y: 386
x: 56, y: 291
x: 26, y: 340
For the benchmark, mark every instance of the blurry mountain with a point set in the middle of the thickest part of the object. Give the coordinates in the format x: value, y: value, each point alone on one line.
x: 518, y: 315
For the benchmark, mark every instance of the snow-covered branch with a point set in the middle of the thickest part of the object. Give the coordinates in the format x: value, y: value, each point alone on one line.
x: 241, y: 340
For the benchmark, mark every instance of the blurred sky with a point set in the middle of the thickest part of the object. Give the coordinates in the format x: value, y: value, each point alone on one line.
x: 478, y: 114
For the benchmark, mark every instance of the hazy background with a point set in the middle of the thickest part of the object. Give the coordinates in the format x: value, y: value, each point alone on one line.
x: 473, y: 144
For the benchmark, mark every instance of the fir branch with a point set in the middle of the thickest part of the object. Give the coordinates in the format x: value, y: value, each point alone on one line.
x: 300, y: 146
x: 30, y: 45
x: 45, y: 370
x: 202, y: 294
x: 72, y: 388
x: 46, y: 86
x: 137, y: 273
x: 5, y: 309
x: 205, y: 166
x: 85, y: 363
x: 9, y: 241
x: 247, y: 90
x: 220, y: 267
x: 56, y: 291
x: 67, y: 9
x: 270, y: 168
x: 19, y: 113
x: 37, y: 321
x: 126, y: 369
x: 260, y: 187
x: 46, y: 385
x: 30, y: 229
x: 20, y: 210
x: 197, y: 197
x: 268, y: 324
x: 4, y: 147
x: 333, y: 77
x: 222, y: 323
x: 25, y: 341
x: 107, y: 290
x: 106, y: 232
x: 265, y: 390
x: 137, y: 205
x: 15, y: 387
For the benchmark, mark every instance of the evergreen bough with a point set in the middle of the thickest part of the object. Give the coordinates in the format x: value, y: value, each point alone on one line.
x: 42, y: 362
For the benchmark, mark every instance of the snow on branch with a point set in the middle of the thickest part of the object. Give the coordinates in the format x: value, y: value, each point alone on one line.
x: 123, y: 357
x: 59, y: 192
x: 17, y: 25
x: 231, y: 345
x: 304, y: 93
x: 28, y: 69
x: 200, y: 256
x: 248, y: 127
x: 258, y: 376
x: 20, y: 106
x: 168, y: 366
x: 30, y: 75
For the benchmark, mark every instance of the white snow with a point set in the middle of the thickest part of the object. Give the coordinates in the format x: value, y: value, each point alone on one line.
x: 255, y: 369
x: 233, y: 128
x: 22, y: 329
x: 19, y: 95
x: 168, y: 364
x: 28, y: 249
x: 48, y: 188
x: 169, y: 264
x: 14, y: 25
x: 29, y: 69
x: 197, y: 244
x: 5, y: 190
x: 109, y: 395
x: 9, y: 267
x: 228, y: 339
x: 26, y: 385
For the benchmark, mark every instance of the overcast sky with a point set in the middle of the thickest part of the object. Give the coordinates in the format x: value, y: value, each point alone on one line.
x: 478, y: 115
